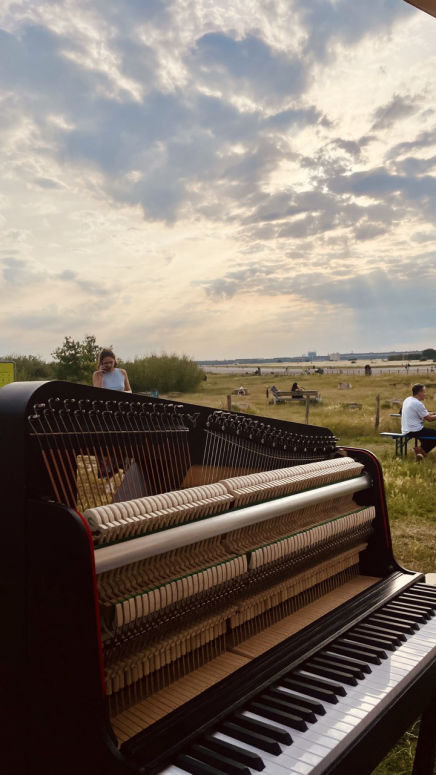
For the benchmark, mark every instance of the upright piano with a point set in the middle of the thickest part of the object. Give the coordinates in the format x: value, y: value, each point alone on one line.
x: 187, y: 590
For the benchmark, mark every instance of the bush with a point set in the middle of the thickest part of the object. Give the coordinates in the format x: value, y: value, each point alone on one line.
x: 165, y: 373
x: 29, y: 368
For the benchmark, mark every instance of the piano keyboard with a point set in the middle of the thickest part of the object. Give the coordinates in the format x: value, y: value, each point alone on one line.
x: 303, y: 723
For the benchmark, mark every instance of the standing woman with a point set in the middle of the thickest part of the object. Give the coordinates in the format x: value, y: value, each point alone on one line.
x: 108, y: 375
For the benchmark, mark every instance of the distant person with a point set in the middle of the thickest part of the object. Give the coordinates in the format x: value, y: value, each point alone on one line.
x: 296, y: 388
x: 108, y: 375
x: 413, y: 415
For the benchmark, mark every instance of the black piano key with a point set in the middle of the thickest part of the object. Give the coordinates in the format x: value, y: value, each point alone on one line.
x: 421, y: 601
x: 323, y: 683
x: 393, y: 606
x: 402, y: 614
x: 347, y: 660
x: 386, y: 620
x: 405, y: 615
x: 305, y: 702
x: 252, y: 738
x: 386, y: 614
x: 370, y: 640
x: 348, y: 640
x: 351, y: 649
x: 241, y: 755
x: 258, y: 726
x: 386, y: 641
x: 329, y: 671
x: 377, y: 652
x: 422, y: 604
x: 341, y: 664
x: 220, y: 762
x: 426, y: 588
x: 418, y: 589
x: 195, y: 766
x: 416, y: 594
x: 387, y: 624
x: 282, y: 716
x: 311, y: 689
x: 396, y: 636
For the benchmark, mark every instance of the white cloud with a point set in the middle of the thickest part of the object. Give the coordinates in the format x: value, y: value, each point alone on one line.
x: 198, y: 177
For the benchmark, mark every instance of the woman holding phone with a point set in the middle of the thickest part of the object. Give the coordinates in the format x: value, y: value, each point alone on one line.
x: 108, y: 375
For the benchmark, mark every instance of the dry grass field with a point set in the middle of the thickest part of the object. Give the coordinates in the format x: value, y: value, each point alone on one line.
x: 409, y: 486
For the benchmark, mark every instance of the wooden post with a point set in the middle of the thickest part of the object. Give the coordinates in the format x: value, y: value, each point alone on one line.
x: 377, y: 411
x: 229, y: 403
x: 307, y: 410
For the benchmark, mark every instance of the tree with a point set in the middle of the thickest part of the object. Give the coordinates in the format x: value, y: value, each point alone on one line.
x: 75, y: 361
x: 429, y: 354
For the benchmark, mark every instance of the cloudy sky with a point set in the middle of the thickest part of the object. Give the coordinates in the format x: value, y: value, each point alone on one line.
x: 215, y: 178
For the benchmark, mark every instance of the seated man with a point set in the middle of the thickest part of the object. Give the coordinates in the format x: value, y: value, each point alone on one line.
x: 413, y: 415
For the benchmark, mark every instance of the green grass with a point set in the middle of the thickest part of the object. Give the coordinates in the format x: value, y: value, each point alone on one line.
x: 409, y: 486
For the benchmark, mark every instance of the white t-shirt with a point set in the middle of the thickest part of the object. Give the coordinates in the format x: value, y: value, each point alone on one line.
x: 412, y: 414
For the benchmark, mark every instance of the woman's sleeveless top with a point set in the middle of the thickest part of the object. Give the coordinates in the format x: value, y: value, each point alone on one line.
x: 113, y: 380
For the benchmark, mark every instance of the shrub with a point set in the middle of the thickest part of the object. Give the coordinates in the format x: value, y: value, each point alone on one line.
x: 165, y: 373
x: 29, y: 367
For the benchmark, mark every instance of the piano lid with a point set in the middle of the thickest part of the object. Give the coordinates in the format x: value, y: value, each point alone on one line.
x: 429, y: 6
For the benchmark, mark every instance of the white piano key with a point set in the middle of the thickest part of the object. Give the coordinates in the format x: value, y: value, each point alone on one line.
x: 342, y: 720
x: 312, y: 749
x: 382, y: 675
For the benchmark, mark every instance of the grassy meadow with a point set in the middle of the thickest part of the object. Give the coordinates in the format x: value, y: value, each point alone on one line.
x: 409, y: 486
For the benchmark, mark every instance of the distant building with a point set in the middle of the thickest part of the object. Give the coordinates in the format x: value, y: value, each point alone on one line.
x: 334, y: 356
x: 311, y: 355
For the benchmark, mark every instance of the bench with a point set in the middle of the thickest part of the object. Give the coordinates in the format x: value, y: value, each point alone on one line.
x: 401, y: 440
x: 281, y: 396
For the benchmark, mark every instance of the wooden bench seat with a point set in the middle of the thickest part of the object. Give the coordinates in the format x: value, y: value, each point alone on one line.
x: 402, y: 439
x: 281, y: 396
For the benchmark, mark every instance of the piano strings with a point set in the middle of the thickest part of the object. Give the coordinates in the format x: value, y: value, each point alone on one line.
x: 95, y: 451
